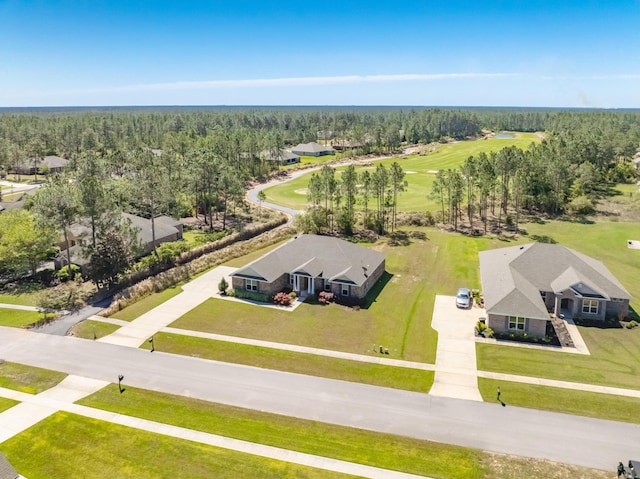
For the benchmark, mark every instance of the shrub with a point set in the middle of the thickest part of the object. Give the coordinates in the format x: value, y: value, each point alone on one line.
x: 251, y: 295
x: 631, y: 324
x: 223, y: 285
x: 63, y: 273
x: 293, y: 295
x: 282, y: 299
x: 582, y: 205
x: 325, y: 297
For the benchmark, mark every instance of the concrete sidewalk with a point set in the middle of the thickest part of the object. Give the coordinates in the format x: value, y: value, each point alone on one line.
x: 19, y: 306
x: 35, y: 408
x: 456, y: 373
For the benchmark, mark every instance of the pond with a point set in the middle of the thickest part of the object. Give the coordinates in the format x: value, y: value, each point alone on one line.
x: 504, y: 136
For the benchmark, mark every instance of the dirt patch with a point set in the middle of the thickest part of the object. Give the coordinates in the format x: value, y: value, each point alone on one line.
x: 501, y: 466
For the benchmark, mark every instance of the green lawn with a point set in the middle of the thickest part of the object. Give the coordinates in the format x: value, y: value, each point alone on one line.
x: 147, y: 304
x: 93, y: 329
x: 67, y: 445
x: 420, y: 171
x: 566, y: 401
x: 399, y: 318
x: 614, y: 359
x: 345, y: 443
x: 7, y: 403
x: 17, y: 318
x: 28, y: 379
x: 27, y: 298
x: 310, y: 364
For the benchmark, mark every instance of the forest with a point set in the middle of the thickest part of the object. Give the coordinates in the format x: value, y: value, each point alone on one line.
x: 188, y: 162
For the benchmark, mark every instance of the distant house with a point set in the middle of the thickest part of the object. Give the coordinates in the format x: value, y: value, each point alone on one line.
x: 167, y: 229
x: 7, y: 471
x: 312, y: 149
x: 33, y: 165
x: 310, y: 264
x: 282, y: 157
x: 523, y: 285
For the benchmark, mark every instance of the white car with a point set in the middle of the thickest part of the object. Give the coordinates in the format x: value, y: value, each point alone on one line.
x: 463, y: 298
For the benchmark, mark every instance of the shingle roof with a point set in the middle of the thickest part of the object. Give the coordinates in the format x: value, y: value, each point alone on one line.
x: 512, y: 278
x: 316, y: 256
x: 7, y: 471
x: 312, y: 147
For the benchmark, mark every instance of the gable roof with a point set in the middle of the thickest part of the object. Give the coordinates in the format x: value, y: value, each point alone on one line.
x: 312, y: 147
x: 280, y: 155
x: 315, y: 256
x: 512, y: 278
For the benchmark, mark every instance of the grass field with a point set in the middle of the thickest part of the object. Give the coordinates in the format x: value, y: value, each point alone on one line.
x: 381, y: 450
x: 310, y: 364
x: 6, y: 404
x: 420, y: 171
x: 349, y: 444
x: 399, y: 318
x: 27, y: 298
x: 93, y: 329
x: 566, y: 401
x: 67, y: 445
x: 28, y: 379
x: 17, y: 318
x: 147, y: 303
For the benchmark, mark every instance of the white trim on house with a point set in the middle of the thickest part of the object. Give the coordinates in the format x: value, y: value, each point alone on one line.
x: 589, y: 305
x: 517, y: 323
x: 251, y: 284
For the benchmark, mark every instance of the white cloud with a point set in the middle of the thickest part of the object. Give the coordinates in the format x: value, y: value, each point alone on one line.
x: 291, y: 81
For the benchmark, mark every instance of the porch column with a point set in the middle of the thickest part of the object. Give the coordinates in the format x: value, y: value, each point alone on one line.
x: 311, y: 286
x: 556, y: 309
x: 296, y: 282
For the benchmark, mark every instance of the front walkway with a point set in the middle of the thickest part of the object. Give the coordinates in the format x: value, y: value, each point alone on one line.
x: 456, y: 370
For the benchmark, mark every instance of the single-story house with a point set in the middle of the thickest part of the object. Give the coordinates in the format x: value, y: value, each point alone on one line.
x: 312, y: 149
x: 309, y: 264
x: 167, y: 229
x: 283, y: 157
x: 33, y: 165
x: 523, y: 285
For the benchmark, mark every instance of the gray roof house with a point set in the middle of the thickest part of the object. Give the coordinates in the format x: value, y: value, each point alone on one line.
x: 33, y: 165
x: 312, y: 149
x: 523, y: 285
x: 7, y: 471
x: 309, y: 264
x: 283, y: 157
x: 167, y: 229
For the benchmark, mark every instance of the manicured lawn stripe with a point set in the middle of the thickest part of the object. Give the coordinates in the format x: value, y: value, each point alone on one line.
x: 566, y: 401
x: 338, y: 442
x: 25, y: 299
x: 67, y: 445
x: 147, y: 304
x: 87, y: 329
x: 28, y: 379
x: 16, y: 318
x: 334, y: 368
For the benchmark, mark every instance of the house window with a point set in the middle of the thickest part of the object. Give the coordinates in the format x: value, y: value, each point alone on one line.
x: 517, y: 323
x: 327, y: 285
x: 251, y: 284
x: 590, y: 306
x: 543, y: 294
x: 291, y: 279
x: 345, y: 290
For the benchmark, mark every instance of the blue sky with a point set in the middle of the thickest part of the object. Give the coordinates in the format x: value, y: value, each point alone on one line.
x: 242, y: 52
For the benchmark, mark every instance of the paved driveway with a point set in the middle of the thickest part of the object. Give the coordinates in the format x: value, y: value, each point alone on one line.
x: 456, y: 371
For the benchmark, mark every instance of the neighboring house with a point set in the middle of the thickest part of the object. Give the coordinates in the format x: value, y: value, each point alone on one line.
x: 312, y: 149
x: 33, y: 165
x: 7, y: 471
x: 167, y: 230
x: 523, y: 285
x: 283, y: 157
x: 310, y: 264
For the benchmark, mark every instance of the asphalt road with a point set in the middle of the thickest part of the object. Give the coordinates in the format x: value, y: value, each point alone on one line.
x: 557, y: 437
